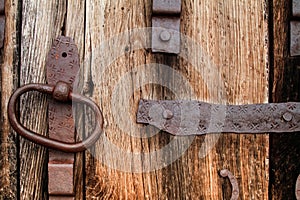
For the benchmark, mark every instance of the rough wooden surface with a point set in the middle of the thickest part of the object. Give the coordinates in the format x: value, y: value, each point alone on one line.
x: 234, y: 35
x: 225, y: 60
x: 285, y: 151
x: 41, y: 23
x: 9, y: 80
x: 74, y: 27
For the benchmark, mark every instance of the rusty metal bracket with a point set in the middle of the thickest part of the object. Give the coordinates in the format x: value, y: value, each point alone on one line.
x: 296, y: 8
x: 198, y: 118
x: 295, y: 38
x: 62, y: 68
x: 2, y: 22
x: 166, y: 26
x: 62, y: 65
x: 297, y: 188
x: 234, y: 183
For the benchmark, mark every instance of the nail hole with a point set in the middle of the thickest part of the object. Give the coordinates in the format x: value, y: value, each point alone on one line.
x: 64, y: 54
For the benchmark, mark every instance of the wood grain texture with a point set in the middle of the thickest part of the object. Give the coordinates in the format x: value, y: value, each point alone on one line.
x: 231, y: 34
x: 285, y: 150
x: 9, y: 80
x: 41, y: 23
x: 224, y: 61
x: 74, y: 28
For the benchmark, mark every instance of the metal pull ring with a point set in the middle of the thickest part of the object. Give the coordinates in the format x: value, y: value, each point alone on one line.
x: 235, y: 188
x: 61, y: 92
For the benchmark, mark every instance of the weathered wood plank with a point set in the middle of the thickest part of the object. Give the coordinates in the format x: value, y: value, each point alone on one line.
x: 74, y: 27
x: 9, y: 80
x: 285, y: 151
x: 224, y: 61
x: 42, y: 22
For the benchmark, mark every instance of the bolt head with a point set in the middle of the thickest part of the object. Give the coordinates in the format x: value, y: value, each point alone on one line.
x: 287, y: 116
x: 168, y: 114
x: 165, y: 35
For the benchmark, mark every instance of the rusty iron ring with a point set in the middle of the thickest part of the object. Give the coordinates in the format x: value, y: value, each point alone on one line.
x: 60, y: 92
x: 234, y: 183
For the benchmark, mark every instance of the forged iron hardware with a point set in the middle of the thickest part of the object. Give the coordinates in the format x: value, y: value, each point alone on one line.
x: 296, y: 8
x: 235, y: 188
x: 62, y: 64
x: 2, y: 22
x: 297, y: 189
x: 295, y: 38
x: 166, y: 26
x: 198, y: 118
x: 60, y: 92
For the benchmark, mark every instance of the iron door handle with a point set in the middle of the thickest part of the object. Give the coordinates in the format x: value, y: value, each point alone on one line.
x: 61, y: 92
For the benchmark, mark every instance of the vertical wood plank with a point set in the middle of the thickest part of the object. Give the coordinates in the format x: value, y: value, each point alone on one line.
x: 74, y: 27
x: 9, y: 81
x: 42, y: 22
x: 285, y: 150
x: 233, y: 35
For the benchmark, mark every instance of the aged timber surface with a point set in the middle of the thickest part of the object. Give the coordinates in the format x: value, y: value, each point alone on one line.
x: 233, y: 34
x: 9, y: 69
x: 41, y: 23
x: 284, y: 148
x: 224, y: 61
x: 50, y: 19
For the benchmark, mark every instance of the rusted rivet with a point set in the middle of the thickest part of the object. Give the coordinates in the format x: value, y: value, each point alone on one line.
x: 235, y: 188
x: 287, y: 116
x: 165, y: 35
x: 168, y: 114
x: 61, y: 91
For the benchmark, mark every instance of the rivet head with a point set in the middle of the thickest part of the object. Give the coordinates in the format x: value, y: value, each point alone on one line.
x: 61, y: 91
x: 168, y: 114
x: 287, y: 116
x: 165, y: 35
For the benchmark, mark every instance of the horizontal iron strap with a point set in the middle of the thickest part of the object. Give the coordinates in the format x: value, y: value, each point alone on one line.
x: 183, y: 117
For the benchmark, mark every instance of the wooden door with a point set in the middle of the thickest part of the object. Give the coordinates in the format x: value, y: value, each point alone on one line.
x: 224, y: 58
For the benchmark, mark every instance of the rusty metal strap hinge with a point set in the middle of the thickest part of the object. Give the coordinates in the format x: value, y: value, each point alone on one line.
x: 2, y: 22
x: 197, y: 118
x: 62, y: 65
x: 166, y: 26
x: 62, y: 69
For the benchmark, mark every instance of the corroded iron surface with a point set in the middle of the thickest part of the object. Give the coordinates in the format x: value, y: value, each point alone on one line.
x: 51, y: 143
x: 2, y: 22
x: 295, y: 38
x: 166, y: 26
x: 197, y: 118
x: 234, y: 183
x: 62, y: 68
x: 165, y: 7
x: 62, y: 65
